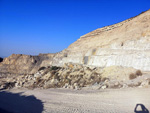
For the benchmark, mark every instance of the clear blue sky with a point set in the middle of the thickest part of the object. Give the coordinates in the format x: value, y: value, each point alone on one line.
x: 49, y: 26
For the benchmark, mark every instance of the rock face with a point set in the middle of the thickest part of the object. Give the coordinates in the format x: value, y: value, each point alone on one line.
x: 24, y: 64
x: 123, y: 44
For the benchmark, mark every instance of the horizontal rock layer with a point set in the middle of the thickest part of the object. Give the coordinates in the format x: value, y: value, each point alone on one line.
x: 122, y: 44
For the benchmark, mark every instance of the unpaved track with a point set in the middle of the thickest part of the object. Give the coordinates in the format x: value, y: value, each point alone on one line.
x: 90, y: 101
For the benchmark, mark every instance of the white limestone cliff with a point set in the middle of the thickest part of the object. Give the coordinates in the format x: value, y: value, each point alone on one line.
x: 123, y: 44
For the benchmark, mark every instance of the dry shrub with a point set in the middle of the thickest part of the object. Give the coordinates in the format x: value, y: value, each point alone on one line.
x: 132, y: 76
x: 53, y: 72
x: 54, y: 68
x: 41, y: 68
x: 8, y: 85
x: 138, y: 73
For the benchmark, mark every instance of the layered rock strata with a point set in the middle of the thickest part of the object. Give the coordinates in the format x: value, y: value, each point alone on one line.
x: 123, y: 44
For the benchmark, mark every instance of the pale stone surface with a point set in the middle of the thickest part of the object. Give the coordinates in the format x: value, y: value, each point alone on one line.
x: 25, y: 64
x: 123, y: 44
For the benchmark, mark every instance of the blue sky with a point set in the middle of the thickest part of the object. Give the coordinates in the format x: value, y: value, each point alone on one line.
x: 49, y: 26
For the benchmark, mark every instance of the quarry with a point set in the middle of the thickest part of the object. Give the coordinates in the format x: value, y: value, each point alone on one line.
x: 112, y: 61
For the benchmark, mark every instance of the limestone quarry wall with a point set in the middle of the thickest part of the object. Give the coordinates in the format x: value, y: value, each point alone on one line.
x: 135, y: 60
x: 124, y: 44
x: 135, y: 53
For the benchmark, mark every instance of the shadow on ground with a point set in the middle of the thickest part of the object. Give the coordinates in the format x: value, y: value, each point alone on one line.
x: 142, y: 108
x: 17, y: 103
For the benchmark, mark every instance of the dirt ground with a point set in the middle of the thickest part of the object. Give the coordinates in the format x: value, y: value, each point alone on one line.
x: 79, y: 101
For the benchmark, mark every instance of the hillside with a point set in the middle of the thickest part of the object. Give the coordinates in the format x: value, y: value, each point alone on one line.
x: 126, y: 43
x: 123, y: 44
x: 104, y: 58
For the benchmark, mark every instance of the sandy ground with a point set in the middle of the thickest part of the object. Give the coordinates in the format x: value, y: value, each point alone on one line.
x: 75, y: 101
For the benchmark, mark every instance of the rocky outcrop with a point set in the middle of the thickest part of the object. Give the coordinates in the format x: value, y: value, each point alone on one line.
x: 74, y: 76
x: 25, y: 64
x: 123, y: 44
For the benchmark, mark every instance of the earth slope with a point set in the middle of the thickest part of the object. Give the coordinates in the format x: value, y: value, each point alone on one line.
x: 126, y: 43
x: 123, y: 44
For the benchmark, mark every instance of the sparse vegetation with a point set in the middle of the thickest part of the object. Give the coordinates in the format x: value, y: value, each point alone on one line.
x: 38, y: 80
x: 138, y: 73
x: 68, y: 77
x: 54, y: 68
x: 41, y: 68
x: 132, y: 76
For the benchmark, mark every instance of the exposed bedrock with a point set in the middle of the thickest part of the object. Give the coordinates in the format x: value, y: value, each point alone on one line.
x: 24, y: 64
x: 123, y: 44
x: 134, y: 54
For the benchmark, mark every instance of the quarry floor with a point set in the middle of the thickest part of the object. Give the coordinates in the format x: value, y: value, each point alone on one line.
x: 75, y: 101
